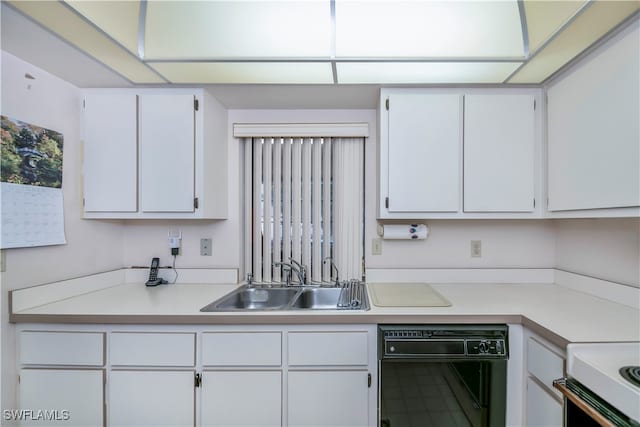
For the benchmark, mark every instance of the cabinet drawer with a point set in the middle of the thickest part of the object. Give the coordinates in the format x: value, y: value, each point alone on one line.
x: 61, y: 348
x: 152, y: 349
x: 543, y: 410
x: 544, y: 364
x: 242, y: 349
x: 327, y: 348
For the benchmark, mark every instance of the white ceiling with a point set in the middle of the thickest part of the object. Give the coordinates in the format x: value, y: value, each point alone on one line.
x: 558, y: 31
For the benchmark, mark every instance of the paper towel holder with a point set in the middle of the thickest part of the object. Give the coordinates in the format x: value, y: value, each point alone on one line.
x: 412, y: 231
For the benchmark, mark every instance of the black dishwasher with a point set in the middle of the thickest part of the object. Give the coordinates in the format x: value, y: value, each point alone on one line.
x: 442, y: 375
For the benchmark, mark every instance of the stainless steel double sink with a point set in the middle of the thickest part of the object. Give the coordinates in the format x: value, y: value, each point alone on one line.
x: 273, y: 298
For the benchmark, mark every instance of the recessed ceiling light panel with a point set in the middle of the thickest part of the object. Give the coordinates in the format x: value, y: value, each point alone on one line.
x: 425, y: 72
x: 246, y: 72
x: 428, y: 29
x: 237, y: 29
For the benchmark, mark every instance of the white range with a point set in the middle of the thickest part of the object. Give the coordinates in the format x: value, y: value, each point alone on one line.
x: 597, y: 367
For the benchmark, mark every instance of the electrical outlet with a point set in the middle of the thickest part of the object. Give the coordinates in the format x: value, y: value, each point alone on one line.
x: 376, y: 246
x: 205, y: 246
x: 476, y: 248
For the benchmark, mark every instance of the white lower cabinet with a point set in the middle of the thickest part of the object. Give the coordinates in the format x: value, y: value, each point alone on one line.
x: 544, y: 363
x: 151, y: 398
x: 543, y: 409
x: 241, y: 398
x: 69, y: 397
x: 221, y: 375
x: 328, y: 398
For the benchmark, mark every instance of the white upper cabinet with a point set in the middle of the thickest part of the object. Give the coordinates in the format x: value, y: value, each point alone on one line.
x: 110, y: 152
x: 167, y: 152
x: 154, y: 153
x: 499, y: 148
x: 465, y: 153
x: 594, y: 133
x: 425, y: 136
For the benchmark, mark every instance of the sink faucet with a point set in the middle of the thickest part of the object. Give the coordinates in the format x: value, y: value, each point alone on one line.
x: 293, y: 266
x: 301, y: 270
x: 333, y: 268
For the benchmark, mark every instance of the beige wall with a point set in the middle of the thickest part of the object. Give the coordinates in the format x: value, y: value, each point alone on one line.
x: 91, y: 246
x: 604, y: 248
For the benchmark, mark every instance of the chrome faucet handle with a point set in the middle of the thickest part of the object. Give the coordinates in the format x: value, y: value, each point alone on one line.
x: 301, y: 270
x: 287, y: 268
x: 249, y: 279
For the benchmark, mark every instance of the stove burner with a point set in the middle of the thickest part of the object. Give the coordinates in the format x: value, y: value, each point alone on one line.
x: 631, y: 374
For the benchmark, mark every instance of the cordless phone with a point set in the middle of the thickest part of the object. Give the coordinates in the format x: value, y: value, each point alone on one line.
x: 153, y: 274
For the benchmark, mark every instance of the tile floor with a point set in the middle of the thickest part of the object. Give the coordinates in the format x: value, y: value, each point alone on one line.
x: 417, y: 395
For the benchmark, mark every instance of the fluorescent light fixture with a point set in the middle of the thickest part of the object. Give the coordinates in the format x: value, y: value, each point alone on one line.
x: 593, y: 23
x: 246, y: 72
x: 64, y: 22
x: 545, y: 17
x: 238, y: 29
x: 119, y: 19
x: 425, y: 72
x: 428, y: 29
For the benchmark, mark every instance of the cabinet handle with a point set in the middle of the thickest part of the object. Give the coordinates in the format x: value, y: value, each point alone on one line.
x: 369, y: 380
x: 197, y: 380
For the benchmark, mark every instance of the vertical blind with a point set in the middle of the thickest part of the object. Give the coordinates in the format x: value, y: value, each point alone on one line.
x: 304, y: 201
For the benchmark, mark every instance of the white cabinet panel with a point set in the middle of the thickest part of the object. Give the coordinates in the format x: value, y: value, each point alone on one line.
x: 61, y: 348
x: 80, y: 392
x: 544, y: 364
x: 242, y: 349
x: 241, y: 398
x: 543, y: 410
x: 167, y: 152
x: 151, y: 398
x: 328, y: 398
x: 152, y: 349
x: 110, y: 153
x: 423, y: 143
x: 594, y: 130
x: 328, y: 348
x: 499, y: 141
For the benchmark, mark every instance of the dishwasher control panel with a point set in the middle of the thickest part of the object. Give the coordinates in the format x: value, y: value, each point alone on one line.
x: 486, y: 347
x: 437, y: 341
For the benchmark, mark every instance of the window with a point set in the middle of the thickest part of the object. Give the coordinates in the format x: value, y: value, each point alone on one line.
x: 304, y: 200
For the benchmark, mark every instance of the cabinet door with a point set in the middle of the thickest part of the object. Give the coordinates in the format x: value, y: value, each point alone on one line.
x: 328, y: 398
x: 151, y: 398
x: 424, y: 140
x: 594, y: 131
x: 79, y: 392
x: 499, y: 140
x: 241, y: 398
x: 167, y: 153
x: 110, y: 153
x: 543, y: 410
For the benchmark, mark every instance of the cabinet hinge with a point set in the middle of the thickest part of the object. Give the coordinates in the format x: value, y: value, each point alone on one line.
x: 387, y: 104
x: 195, y: 203
x: 195, y: 104
x: 369, y: 380
x: 386, y: 202
x: 197, y: 380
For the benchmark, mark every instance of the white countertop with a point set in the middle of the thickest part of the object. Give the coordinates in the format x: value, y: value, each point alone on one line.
x: 563, y: 314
